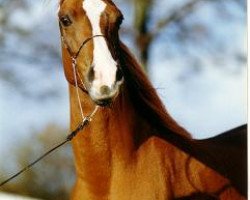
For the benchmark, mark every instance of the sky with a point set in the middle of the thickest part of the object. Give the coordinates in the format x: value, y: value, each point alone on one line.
x: 212, y: 100
x: 206, y: 104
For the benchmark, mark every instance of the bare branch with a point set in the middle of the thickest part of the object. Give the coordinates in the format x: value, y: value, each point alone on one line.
x: 176, y: 16
x: 142, y: 15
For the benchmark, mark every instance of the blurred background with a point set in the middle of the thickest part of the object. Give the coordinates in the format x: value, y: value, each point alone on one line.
x: 194, y: 51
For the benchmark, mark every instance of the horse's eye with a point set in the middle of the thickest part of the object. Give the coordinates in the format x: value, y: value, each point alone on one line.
x: 65, y: 20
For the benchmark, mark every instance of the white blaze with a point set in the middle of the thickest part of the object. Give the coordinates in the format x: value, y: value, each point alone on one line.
x: 104, y: 65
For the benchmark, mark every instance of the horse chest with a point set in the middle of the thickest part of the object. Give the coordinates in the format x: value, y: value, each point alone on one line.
x: 133, y: 187
x: 142, y: 178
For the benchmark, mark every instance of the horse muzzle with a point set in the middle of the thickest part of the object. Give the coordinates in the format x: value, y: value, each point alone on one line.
x: 103, y: 94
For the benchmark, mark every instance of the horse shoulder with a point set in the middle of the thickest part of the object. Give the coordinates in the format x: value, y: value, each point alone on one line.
x: 206, y: 180
x: 191, y: 177
x: 181, y: 174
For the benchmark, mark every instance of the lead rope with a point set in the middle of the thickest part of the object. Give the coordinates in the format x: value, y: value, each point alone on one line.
x: 80, y: 127
x: 74, y: 66
x: 85, y: 121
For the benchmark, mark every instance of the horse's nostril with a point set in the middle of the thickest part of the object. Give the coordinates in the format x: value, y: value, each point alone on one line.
x: 105, y: 90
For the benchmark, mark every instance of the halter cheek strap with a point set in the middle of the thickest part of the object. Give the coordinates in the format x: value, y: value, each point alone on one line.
x: 76, y: 74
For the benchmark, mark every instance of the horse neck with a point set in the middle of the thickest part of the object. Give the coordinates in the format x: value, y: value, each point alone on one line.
x: 112, y: 139
x: 132, y: 118
x: 114, y: 127
x: 109, y: 142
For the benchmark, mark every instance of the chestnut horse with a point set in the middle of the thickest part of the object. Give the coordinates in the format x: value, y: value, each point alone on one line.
x: 132, y: 148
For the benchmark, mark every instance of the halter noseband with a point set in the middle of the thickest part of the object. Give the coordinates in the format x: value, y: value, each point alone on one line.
x: 72, y: 55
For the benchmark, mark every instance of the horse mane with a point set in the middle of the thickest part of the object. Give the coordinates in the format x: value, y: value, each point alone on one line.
x: 145, y: 98
x: 149, y: 106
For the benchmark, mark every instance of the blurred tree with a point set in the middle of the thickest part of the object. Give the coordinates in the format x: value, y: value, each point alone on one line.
x: 28, y: 43
x: 51, y: 178
x: 143, y: 36
x: 176, y: 17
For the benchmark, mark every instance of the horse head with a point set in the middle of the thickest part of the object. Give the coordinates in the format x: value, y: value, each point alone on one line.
x: 89, y: 30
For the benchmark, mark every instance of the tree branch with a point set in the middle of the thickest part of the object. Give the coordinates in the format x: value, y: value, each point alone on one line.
x: 142, y: 15
x: 175, y: 16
